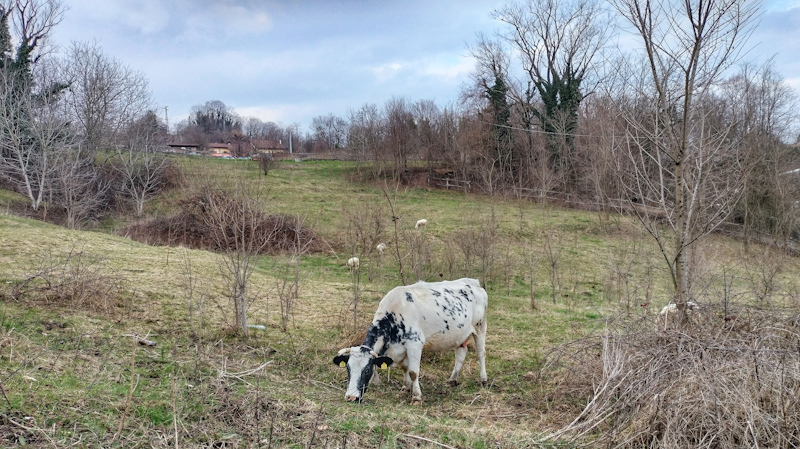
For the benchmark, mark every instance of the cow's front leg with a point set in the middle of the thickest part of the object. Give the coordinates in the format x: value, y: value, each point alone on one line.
x: 407, y: 383
x: 461, y: 354
x: 414, y: 356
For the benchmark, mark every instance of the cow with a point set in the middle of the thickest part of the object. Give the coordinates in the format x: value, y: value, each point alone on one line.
x: 435, y: 316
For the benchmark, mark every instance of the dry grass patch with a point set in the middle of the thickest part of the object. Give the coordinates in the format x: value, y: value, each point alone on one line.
x: 714, y: 383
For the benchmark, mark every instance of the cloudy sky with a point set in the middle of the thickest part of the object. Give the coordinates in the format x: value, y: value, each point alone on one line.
x: 288, y: 61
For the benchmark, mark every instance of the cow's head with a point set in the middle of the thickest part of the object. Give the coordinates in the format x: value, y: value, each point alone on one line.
x: 360, y: 362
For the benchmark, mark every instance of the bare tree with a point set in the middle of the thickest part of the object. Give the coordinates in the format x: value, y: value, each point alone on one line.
x: 686, y: 169
x: 32, y: 132
x: 241, y: 230
x: 140, y: 163
x: 27, y: 138
x: 104, y: 96
x: 77, y: 187
x: 22, y: 162
x: 31, y: 22
x: 364, y: 136
x: 331, y: 130
x: 399, y: 134
x: 426, y: 120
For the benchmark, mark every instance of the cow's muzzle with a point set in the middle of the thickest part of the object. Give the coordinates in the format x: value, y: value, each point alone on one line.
x: 351, y: 398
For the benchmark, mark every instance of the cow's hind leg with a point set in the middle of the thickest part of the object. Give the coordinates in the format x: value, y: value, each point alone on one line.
x: 480, y: 346
x: 461, y: 354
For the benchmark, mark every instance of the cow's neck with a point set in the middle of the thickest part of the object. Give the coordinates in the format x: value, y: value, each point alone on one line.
x: 383, y: 332
x: 375, y: 340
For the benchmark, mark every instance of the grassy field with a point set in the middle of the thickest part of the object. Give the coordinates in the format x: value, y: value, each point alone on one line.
x: 73, y: 302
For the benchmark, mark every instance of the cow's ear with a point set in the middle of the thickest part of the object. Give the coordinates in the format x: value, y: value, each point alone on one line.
x: 382, y: 362
x: 341, y: 360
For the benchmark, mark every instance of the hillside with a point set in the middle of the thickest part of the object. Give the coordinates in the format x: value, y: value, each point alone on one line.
x: 74, y: 305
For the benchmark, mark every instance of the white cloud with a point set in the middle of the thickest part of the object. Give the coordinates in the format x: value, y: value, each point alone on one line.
x: 282, y: 113
x: 146, y: 17
x: 149, y: 17
x: 386, y: 72
x: 449, y: 70
x: 794, y: 83
x: 218, y: 23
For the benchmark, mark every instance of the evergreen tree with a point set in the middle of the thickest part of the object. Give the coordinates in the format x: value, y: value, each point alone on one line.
x: 501, y: 115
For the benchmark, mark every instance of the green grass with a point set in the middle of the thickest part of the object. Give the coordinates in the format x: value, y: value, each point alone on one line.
x: 78, y: 349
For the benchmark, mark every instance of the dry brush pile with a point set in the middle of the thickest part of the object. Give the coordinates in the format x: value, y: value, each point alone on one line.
x: 716, y: 382
x: 207, y: 219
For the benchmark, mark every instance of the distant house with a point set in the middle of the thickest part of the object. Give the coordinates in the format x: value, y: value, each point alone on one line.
x: 262, y: 146
x: 182, y: 148
x: 219, y: 150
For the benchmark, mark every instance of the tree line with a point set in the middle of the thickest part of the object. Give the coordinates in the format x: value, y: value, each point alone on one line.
x: 681, y: 132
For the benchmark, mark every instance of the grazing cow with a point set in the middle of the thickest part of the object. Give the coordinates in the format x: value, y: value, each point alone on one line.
x: 353, y: 263
x: 421, y: 223
x: 436, y: 316
x: 381, y: 247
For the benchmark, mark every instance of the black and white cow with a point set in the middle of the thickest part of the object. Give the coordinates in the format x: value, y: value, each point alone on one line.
x: 437, y: 316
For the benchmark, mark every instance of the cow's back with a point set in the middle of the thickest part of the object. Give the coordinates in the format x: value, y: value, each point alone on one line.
x: 444, y: 313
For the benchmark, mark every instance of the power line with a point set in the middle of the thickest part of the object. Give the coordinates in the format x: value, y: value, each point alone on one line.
x: 535, y: 131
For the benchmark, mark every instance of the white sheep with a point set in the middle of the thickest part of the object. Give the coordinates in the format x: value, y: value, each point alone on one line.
x: 381, y: 248
x: 672, y: 308
x: 353, y: 263
x: 421, y: 223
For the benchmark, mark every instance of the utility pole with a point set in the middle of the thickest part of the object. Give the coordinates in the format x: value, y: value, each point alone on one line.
x: 166, y: 117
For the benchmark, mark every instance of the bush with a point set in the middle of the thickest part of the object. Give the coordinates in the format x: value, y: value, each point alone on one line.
x: 191, y: 228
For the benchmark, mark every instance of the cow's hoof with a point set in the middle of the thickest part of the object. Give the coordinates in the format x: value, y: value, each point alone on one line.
x: 484, y: 383
x: 452, y: 383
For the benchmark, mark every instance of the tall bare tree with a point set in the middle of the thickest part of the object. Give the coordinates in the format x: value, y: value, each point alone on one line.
x: 398, y: 139
x: 492, y: 87
x: 32, y: 132
x: 364, y: 136
x: 331, y: 130
x: 27, y: 25
x: 104, y: 96
x: 27, y: 95
x: 687, y: 171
